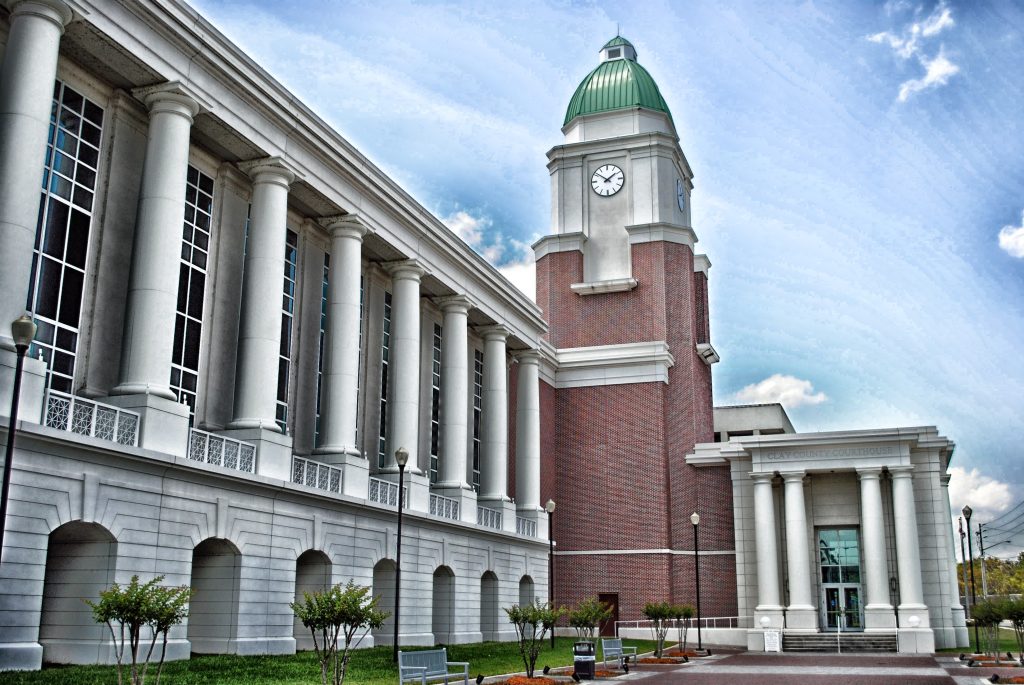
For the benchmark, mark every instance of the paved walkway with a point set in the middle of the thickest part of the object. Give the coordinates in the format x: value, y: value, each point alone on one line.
x: 815, y: 669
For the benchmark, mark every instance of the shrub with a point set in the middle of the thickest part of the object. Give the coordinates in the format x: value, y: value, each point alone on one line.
x: 134, y: 607
x: 338, y: 613
x: 587, y: 615
x: 987, y: 616
x: 532, y: 623
x: 682, y: 612
x: 1013, y: 611
x: 660, y: 614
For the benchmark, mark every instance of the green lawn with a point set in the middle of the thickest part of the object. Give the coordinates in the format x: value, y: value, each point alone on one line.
x: 367, y: 667
x: 1007, y: 642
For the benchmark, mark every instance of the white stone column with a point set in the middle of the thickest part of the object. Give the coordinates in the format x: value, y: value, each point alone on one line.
x: 26, y: 92
x: 528, y: 433
x: 404, y: 369
x: 878, y: 613
x: 494, y: 443
x: 801, y: 614
x: 454, y: 393
x: 339, y: 385
x: 153, y: 287
x: 908, y: 547
x: 768, y: 604
x: 259, y: 330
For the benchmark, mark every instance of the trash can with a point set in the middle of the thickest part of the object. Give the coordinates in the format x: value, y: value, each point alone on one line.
x: 584, y: 656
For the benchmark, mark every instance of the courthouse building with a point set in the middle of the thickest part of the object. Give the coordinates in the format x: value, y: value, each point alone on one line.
x: 241, y: 320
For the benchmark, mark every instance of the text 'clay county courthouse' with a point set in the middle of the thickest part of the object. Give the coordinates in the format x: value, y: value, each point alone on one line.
x: 241, y: 320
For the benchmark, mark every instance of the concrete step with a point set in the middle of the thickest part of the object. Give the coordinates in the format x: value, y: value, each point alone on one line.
x: 850, y: 642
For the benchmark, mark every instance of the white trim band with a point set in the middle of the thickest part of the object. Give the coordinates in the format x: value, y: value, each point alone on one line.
x: 645, y: 362
x: 620, y: 552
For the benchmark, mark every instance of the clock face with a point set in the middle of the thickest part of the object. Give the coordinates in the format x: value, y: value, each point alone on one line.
x: 680, y: 194
x: 607, y: 180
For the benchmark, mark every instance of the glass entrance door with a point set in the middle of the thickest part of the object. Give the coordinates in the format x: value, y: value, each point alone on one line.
x: 839, y: 559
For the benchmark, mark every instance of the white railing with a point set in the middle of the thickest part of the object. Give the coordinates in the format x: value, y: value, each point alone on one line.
x: 491, y: 518
x: 316, y: 474
x: 525, y: 526
x: 445, y: 507
x: 89, y: 417
x: 221, y: 451
x: 386, y: 492
x: 691, y: 623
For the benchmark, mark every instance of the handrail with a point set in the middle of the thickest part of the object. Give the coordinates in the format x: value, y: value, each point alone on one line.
x: 316, y: 474
x: 221, y: 450
x: 88, y: 417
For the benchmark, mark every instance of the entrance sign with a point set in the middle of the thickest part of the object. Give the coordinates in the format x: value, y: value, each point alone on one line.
x: 773, y: 641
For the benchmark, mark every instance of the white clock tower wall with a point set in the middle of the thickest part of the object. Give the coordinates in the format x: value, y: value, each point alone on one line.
x: 606, y: 253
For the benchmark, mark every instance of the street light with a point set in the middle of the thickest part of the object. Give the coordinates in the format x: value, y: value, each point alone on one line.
x: 963, y: 558
x: 22, y: 331
x: 402, y: 458
x: 550, y: 508
x: 695, y: 520
x: 970, y: 552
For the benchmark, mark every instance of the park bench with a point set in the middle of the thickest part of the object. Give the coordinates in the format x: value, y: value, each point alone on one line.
x: 611, y: 648
x: 430, y: 665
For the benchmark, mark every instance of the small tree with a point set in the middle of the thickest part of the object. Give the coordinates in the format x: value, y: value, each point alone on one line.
x: 134, y: 607
x: 682, y: 613
x: 532, y: 623
x: 587, y: 615
x: 660, y: 614
x: 1013, y: 611
x: 338, y: 613
x: 987, y: 616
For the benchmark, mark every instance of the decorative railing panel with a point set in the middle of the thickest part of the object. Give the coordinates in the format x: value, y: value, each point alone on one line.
x: 445, y: 507
x: 316, y: 474
x: 221, y: 451
x: 527, y: 527
x: 386, y: 492
x: 89, y: 417
x: 491, y: 518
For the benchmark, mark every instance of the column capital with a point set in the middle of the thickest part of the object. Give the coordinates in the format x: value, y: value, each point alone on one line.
x: 762, y: 477
x: 171, y: 96
x: 344, y: 226
x: 52, y: 10
x: 869, y: 472
x: 527, y: 356
x: 901, y: 471
x: 405, y: 269
x: 498, y: 332
x: 270, y: 170
x: 793, y: 476
x: 454, y: 304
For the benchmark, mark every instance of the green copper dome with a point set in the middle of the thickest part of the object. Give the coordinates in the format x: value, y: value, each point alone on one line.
x: 619, y: 82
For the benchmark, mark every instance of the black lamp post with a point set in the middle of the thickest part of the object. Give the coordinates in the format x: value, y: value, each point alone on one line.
x: 22, y: 331
x: 402, y: 458
x: 695, y: 520
x: 970, y: 552
x: 963, y: 559
x: 550, y: 508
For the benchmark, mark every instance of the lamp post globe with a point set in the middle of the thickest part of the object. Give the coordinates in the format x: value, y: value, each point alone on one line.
x: 550, y: 508
x: 695, y: 520
x: 23, y: 330
x: 967, y: 511
x: 401, y: 458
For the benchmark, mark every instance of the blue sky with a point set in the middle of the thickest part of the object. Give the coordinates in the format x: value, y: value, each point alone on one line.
x: 859, y: 178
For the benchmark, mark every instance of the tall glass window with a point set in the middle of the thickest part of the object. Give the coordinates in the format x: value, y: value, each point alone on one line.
x: 478, y: 410
x: 188, y: 323
x: 62, y: 233
x: 320, y: 362
x: 435, y: 403
x: 385, y: 357
x: 291, y: 259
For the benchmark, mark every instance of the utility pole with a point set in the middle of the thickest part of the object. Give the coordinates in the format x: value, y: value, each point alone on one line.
x: 981, y: 554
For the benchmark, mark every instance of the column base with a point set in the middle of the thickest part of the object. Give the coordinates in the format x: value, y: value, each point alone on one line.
x: 535, y: 514
x: 144, y: 389
x: 801, y: 618
x: 21, y: 656
x: 879, y: 617
x: 244, y: 645
x: 163, y: 423
x: 466, y: 498
x: 33, y: 386
x: 355, y: 470
x: 770, y: 611
x: 961, y: 636
x: 418, y: 485
x: 907, y: 612
x: 916, y: 640
x: 273, y: 450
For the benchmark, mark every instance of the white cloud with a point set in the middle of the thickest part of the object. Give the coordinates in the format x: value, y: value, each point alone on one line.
x: 466, y: 226
x: 523, y: 275
x: 941, y: 18
x: 937, y: 73
x: 987, y: 497
x: 1011, y: 239
x: 789, y: 391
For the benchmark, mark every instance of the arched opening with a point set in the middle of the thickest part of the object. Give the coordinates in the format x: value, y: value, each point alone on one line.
x: 384, y: 587
x: 312, y: 574
x: 442, y: 618
x: 80, y: 562
x: 489, y: 606
x: 213, y: 611
x: 526, y: 595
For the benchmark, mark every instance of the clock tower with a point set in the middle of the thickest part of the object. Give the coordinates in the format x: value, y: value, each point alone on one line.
x: 629, y: 388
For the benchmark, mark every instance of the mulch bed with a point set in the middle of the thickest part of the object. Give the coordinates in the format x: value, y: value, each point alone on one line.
x: 1014, y: 679
x: 523, y: 680
x: 662, y: 660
